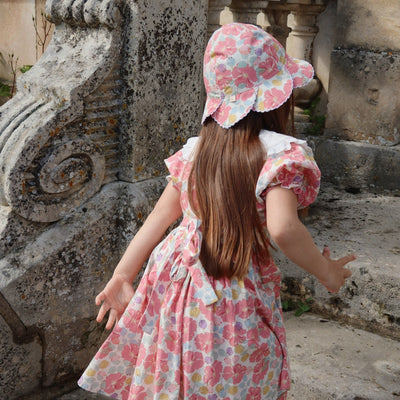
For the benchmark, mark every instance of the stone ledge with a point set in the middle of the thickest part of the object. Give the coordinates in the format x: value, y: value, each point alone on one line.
x: 365, y: 224
x: 358, y: 165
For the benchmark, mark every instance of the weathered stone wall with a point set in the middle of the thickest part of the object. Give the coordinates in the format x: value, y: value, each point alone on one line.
x: 162, y: 70
x: 81, y: 150
x: 365, y: 72
x: 363, y: 98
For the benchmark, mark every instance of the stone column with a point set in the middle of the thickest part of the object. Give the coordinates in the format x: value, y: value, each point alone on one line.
x: 162, y: 75
x: 247, y: 11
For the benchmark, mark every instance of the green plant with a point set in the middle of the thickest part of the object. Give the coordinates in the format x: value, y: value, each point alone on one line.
x: 288, y: 305
x: 25, y: 68
x: 317, y: 121
x: 6, y: 90
x: 300, y: 306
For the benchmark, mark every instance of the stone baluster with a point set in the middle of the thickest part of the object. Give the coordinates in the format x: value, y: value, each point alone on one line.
x: 303, y: 24
x: 301, y: 32
x: 247, y: 11
x: 277, y: 15
x: 304, y: 29
x: 215, y: 8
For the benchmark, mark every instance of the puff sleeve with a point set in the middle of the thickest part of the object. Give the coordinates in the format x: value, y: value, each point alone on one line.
x: 175, y: 165
x: 295, y: 169
x: 179, y: 163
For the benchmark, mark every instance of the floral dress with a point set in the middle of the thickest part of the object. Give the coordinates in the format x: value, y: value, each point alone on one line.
x: 186, y: 335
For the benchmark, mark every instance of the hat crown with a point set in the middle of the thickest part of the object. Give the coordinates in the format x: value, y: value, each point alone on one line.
x: 245, y: 68
x: 239, y: 57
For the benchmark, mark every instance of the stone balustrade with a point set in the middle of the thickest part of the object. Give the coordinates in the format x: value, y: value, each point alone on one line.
x: 276, y: 12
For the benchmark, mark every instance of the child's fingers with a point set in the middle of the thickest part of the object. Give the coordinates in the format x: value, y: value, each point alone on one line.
x: 112, y: 318
x: 326, y: 252
x: 346, y: 259
x: 102, y: 312
x: 100, y: 298
x: 347, y: 273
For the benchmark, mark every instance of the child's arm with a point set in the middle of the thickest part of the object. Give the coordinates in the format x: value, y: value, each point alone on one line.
x: 118, y: 291
x: 293, y: 238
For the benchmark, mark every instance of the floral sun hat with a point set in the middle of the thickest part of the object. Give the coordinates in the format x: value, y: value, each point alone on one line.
x: 246, y: 69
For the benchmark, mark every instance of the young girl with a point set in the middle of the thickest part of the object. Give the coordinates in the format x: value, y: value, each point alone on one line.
x: 206, y: 319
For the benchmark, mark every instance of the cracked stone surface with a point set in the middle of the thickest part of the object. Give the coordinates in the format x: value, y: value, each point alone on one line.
x: 330, y: 361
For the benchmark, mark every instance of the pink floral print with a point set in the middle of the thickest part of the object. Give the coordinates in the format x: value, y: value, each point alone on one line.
x: 186, y: 335
x: 242, y: 58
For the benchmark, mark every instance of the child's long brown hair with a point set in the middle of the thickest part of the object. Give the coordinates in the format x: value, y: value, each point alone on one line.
x: 224, y: 174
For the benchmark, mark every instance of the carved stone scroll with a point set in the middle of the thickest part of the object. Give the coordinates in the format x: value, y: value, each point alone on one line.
x: 58, y: 135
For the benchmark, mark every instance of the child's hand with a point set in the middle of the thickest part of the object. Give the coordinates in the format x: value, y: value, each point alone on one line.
x: 337, y: 274
x: 114, y: 298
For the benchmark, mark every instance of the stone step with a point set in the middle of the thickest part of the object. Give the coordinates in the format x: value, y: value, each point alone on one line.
x: 365, y: 224
x: 330, y: 361
x: 358, y: 165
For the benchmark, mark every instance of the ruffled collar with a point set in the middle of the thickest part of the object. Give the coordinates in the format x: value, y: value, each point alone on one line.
x: 273, y: 142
